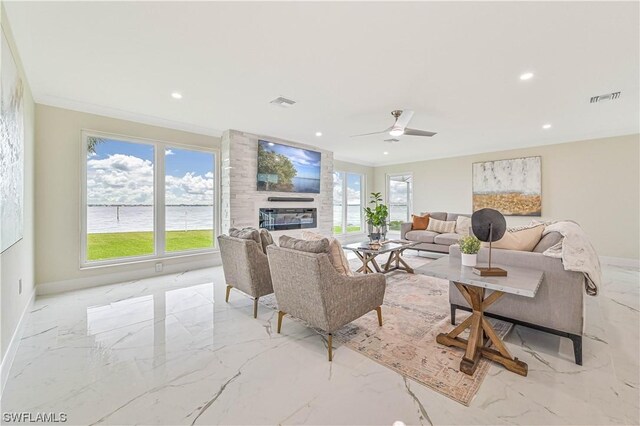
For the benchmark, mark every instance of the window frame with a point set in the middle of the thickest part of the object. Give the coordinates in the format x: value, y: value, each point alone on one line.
x: 159, y: 207
x: 409, y: 195
x: 345, y: 206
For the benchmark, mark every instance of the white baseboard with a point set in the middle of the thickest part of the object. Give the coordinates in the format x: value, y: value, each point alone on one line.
x: 146, y: 271
x: 12, y: 349
x: 620, y: 261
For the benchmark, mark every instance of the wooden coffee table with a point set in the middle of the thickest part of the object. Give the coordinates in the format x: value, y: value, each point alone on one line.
x: 394, y: 262
x: 521, y: 281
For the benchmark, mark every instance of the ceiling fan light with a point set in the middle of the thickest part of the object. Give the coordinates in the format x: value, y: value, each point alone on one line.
x: 396, y: 131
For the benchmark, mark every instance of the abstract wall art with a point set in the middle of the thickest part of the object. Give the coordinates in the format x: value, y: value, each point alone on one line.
x: 513, y: 187
x: 11, y: 150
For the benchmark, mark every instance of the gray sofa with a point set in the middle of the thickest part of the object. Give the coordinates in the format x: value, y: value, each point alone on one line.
x: 557, y: 307
x: 432, y: 241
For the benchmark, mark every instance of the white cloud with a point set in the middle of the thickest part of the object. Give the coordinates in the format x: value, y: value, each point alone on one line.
x: 168, y: 152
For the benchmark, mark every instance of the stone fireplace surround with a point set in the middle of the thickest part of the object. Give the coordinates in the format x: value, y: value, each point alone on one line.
x: 240, y: 201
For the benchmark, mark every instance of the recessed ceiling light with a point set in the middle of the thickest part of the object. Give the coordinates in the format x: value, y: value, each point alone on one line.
x: 546, y: 126
x: 385, y: 153
x: 318, y: 134
x: 526, y: 76
x: 176, y: 95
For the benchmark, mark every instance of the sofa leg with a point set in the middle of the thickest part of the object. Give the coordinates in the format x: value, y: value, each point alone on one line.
x: 330, y: 346
x: 577, y: 347
x: 255, y: 307
x: 453, y: 314
x: 379, y: 311
x: 280, y: 315
x: 226, y: 298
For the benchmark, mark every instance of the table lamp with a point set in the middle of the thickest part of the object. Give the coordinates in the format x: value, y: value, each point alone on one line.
x: 488, y: 225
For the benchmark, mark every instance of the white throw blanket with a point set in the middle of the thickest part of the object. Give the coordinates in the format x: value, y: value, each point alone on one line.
x: 577, y: 253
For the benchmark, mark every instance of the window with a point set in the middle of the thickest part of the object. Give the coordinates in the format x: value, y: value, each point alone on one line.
x: 399, y: 194
x: 130, y: 212
x: 347, y: 202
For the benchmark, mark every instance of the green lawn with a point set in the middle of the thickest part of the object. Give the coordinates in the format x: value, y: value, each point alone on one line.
x: 126, y: 244
x: 352, y: 228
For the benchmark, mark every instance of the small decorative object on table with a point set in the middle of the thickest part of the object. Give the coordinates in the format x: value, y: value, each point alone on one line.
x: 489, y: 225
x: 377, y: 218
x: 469, y: 248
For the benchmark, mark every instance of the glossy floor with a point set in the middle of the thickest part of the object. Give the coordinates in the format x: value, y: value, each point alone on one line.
x: 168, y: 350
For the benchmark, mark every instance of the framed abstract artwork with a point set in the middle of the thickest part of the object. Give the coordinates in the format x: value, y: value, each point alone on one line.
x: 11, y: 150
x: 513, y: 187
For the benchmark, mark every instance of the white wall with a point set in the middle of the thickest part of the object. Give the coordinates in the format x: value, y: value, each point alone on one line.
x: 594, y: 182
x: 57, y: 191
x: 17, y: 262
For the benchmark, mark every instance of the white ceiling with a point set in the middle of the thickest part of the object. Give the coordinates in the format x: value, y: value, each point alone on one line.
x: 347, y: 65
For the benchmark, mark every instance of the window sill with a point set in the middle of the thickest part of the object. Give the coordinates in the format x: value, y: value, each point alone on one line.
x: 142, y: 260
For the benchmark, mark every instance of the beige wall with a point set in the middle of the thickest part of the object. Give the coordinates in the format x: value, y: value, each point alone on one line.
x: 58, y: 192
x: 594, y: 182
x: 17, y: 262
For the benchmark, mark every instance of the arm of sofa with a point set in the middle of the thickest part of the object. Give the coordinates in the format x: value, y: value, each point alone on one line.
x: 522, y: 259
x: 404, y: 228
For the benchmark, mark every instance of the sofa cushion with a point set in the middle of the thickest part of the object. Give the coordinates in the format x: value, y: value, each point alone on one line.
x: 319, y: 246
x: 524, y: 239
x: 463, y: 225
x: 421, y: 236
x: 455, y: 216
x: 436, y: 215
x: 447, y: 239
x: 419, y: 223
x: 246, y: 234
x: 441, y: 226
x: 548, y: 241
x: 336, y: 253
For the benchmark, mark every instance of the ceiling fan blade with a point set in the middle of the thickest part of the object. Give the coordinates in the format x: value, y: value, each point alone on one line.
x: 415, y: 132
x: 369, y: 134
x: 404, y: 119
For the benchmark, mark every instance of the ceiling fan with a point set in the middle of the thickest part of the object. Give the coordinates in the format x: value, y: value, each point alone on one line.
x: 400, y: 128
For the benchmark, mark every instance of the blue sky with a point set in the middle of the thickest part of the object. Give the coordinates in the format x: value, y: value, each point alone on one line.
x: 307, y: 163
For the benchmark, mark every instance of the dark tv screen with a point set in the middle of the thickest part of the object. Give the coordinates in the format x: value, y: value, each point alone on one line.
x: 283, y: 168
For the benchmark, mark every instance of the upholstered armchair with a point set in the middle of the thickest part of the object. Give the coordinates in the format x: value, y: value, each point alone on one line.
x: 246, y: 268
x: 307, y: 286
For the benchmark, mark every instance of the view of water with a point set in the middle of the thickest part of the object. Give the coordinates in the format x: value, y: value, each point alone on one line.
x: 354, y: 212
x: 103, y: 219
x: 306, y: 185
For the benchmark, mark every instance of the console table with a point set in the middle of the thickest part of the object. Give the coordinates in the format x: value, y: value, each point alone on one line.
x: 521, y: 281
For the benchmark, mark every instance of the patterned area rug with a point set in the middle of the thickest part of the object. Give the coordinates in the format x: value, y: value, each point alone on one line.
x: 415, y: 311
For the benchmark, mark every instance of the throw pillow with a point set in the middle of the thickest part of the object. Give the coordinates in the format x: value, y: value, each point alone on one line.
x: 419, y: 223
x: 319, y: 246
x: 463, y: 224
x: 266, y: 239
x: 336, y: 253
x: 246, y: 234
x: 441, y: 226
x: 522, y: 239
x: 548, y: 241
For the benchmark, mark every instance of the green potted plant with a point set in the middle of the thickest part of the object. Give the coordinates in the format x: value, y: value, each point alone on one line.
x: 469, y: 247
x: 377, y: 217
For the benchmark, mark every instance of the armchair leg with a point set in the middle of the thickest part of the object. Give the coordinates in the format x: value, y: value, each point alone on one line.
x: 255, y: 307
x: 379, y: 311
x: 226, y: 299
x: 453, y: 314
x: 330, y: 346
x: 280, y: 315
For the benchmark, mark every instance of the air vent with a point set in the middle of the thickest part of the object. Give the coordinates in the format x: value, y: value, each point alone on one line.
x: 283, y: 102
x: 605, y: 97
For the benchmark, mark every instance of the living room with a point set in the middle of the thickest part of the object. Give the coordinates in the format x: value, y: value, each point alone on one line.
x: 261, y: 213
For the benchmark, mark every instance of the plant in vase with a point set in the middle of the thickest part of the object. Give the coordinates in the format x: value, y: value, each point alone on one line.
x: 377, y: 217
x: 469, y: 247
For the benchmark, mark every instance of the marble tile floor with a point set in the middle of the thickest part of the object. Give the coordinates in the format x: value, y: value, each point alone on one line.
x: 169, y: 350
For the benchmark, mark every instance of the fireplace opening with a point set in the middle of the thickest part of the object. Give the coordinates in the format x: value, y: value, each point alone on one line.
x: 288, y: 218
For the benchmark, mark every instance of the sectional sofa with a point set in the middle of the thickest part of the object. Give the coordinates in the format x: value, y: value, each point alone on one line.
x: 432, y: 241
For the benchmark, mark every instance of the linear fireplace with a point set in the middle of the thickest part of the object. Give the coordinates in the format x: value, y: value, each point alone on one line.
x: 288, y: 218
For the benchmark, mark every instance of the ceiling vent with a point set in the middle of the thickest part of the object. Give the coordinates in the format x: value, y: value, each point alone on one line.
x: 605, y: 97
x: 283, y: 102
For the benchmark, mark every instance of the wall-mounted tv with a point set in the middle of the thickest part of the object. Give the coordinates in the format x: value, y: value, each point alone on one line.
x: 283, y: 168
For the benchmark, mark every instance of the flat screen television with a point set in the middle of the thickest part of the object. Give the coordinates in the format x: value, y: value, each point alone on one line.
x: 283, y: 168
